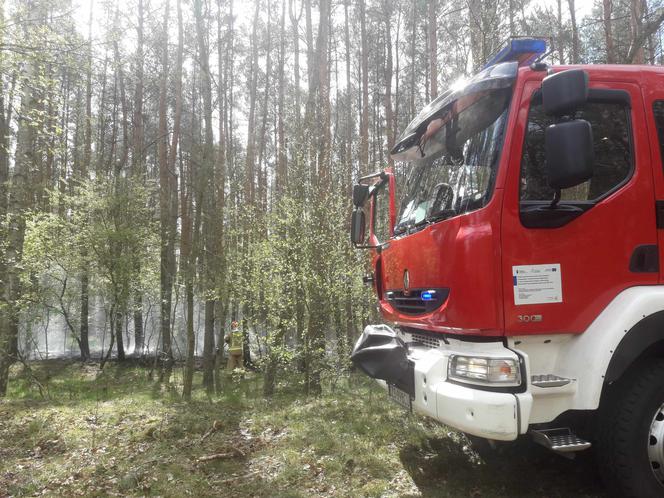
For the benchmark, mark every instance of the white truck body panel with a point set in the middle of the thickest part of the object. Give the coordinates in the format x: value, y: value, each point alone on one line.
x: 583, y: 359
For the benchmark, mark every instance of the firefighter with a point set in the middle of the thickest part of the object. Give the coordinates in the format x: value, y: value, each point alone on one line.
x: 234, y: 341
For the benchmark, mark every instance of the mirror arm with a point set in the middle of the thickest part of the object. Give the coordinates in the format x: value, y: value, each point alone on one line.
x: 556, y: 199
x: 378, y: 174
x: 378, y: 247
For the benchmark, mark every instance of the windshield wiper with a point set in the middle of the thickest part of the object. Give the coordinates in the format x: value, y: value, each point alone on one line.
x: 411, y: 227
x: 432, y: 218
x: 400, y: 230
x: 441, y: 215
x: 419, y: 224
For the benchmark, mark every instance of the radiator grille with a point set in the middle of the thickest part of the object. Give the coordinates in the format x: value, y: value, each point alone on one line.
x: 417, y: 301
x: 426, y: 340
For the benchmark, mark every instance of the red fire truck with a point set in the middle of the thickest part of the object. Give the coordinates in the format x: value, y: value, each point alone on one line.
x: 520, y: 278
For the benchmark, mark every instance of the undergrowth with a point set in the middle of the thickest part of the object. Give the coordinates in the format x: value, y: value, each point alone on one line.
x: 119, y: 433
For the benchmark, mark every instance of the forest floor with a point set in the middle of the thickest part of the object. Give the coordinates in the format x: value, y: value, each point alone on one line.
x: 118, y: 433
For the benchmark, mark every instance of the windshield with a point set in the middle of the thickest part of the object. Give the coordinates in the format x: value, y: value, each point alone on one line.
x: 459, y: 153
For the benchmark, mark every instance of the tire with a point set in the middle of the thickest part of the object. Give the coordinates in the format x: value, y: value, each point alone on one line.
x: 629, y: 445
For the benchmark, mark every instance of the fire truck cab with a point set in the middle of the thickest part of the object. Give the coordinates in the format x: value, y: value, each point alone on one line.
x: 519, y: 278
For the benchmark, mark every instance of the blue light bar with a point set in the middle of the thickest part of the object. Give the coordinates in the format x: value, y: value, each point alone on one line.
x: 427, y: 295
x: 523, y: 50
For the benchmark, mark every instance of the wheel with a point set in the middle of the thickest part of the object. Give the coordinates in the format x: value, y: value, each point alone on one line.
x: 630, y: 438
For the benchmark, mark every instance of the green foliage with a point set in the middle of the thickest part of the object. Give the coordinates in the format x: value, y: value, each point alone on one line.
x: 108, y: 229
x: 51, y: 262
x: 116, y: 433
x: 89, y: 127
x: 121, y: 234
x: 280, y: 269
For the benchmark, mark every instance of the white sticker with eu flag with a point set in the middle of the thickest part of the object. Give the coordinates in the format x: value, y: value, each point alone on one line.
x: 537, y: 284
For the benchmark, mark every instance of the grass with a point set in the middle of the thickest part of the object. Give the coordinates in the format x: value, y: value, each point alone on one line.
x: 117, y: 433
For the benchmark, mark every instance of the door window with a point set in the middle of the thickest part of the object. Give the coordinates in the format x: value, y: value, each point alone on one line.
x: 613, y: 152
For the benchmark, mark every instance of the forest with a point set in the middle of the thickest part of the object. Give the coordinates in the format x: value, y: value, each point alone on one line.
x: 168, y: 167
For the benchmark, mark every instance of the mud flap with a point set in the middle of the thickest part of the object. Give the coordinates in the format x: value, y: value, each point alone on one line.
x: 381, y: 354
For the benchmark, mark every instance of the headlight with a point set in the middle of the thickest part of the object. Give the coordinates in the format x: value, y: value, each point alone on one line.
x: 486, y: 371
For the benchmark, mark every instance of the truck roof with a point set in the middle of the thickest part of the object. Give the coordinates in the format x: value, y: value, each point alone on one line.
x: 616, y: 72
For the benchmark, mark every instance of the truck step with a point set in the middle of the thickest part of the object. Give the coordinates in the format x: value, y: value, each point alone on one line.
x: 549, y: 381
x: 561, y: 440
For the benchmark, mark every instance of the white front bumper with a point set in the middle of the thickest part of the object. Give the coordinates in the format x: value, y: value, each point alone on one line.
x: 489, y: 414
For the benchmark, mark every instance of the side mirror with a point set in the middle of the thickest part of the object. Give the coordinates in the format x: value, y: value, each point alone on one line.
x: 360, y: 194
x: 564, y: 92
x: 357, y: 226
x: 569, y: 153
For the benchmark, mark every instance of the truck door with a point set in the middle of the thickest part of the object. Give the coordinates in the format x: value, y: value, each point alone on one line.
x: 654, y: 104
x: 562, y: 266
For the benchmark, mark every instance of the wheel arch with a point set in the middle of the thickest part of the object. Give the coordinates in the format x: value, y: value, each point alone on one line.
x: 645, y: 339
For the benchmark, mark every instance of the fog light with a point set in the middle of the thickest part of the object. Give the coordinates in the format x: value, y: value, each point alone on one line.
x: 486, y: 371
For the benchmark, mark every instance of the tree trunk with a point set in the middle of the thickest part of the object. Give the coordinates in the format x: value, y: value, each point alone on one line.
x: 251, y: 122
x: 208, y: 346
x: 137, y: 166
x: 433, y: 48
x: 165, y: 208
x: 4, y: 152
x: 139, y: 332
x: 85, y: 168
x: 397, y: 91
x: 575, y: 32
x: 511, y: 8
x: 172, y: 176
x: 348, y: 146
x: 477, y: 34
x: 138, y: 173
x: 137, y: 124
x: 106, y: 356
x: 561, y: 51
x: 187, y: 271
x: 364, y: 121
x: 5, y: 301
x: 262, y: 168
x: 118, y: 335
x: 640, y: 32
x: 85, y: 313
x: 317, y: 309
x: 296, y: 61
x: 220, y: 183
x: 281, y: 176
x: 608, y: 31
x: 636, y: 26
x: 222, y: 311
x: 389, y: 115
x: 17, y: 204
x: 413, y: 63
x: 210, y: 261
x: 191, y: 341
x: 101, y: 113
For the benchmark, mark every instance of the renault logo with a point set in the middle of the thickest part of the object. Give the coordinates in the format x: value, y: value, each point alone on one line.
x: 406, y: 280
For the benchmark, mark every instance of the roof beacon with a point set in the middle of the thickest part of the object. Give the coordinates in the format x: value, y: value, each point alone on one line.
x: 522, y: 50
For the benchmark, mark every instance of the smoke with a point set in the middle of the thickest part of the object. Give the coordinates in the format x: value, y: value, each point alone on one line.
x: 44, y: 333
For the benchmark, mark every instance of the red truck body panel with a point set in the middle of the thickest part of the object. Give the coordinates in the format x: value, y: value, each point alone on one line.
x: 462, y: 254
x: 473, y: 254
